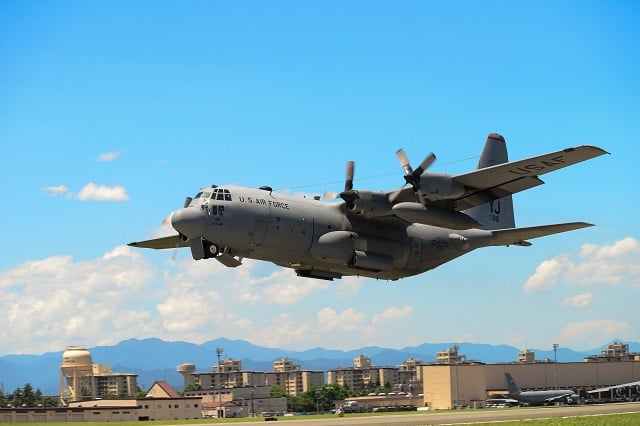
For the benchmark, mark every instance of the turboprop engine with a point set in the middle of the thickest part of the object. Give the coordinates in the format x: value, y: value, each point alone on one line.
x: 435, y: 216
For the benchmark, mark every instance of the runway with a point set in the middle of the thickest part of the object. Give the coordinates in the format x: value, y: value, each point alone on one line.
x: 467, y: 416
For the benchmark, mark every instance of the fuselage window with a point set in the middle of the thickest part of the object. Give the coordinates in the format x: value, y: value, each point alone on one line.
x: 216, y: 210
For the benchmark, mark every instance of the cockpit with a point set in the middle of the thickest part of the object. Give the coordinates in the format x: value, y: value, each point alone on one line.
x: 219, y: 194
x: 209, y: 198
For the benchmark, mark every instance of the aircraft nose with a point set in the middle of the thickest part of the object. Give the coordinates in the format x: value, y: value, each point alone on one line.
x: 188, y: 221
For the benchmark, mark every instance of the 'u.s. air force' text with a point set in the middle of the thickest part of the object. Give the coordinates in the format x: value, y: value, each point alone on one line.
x: 263, y: 202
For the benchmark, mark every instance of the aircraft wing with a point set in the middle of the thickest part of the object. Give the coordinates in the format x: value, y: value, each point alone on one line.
x: 491, y: 183
x: 614, y: 387
x: 559, y: 396
x: 172, y: 241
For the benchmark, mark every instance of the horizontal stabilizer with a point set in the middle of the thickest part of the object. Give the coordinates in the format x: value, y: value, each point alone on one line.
x: 517, y: 236
x: 172, y: 241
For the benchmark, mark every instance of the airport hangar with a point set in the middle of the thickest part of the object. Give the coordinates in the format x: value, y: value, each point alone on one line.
x: 472, y: 383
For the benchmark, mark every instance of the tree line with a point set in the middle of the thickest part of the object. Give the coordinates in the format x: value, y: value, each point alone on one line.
x: 26, y: 397
x: 321, y: 399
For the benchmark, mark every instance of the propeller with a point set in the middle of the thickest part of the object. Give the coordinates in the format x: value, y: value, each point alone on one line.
x: 348, y: 195
x: 412, y: 177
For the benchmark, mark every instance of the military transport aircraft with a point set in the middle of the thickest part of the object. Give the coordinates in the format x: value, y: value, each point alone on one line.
x: 540, y: 397
x: 389, y: 235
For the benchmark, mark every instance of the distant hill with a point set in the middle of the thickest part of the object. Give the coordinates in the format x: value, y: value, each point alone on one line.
x: 156, y: 359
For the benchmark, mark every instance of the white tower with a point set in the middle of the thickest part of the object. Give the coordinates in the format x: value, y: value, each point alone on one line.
x: 76, y: 375
x: 186, y: 369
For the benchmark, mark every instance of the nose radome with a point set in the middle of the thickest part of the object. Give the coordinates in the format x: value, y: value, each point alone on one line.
x: 188, y: 221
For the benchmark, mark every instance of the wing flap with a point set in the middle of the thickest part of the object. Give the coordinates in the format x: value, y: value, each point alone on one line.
x: 172, y: 241
x: 480, y: 197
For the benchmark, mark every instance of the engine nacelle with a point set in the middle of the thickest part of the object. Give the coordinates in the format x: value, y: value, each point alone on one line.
x: 371, y: 204
x: 434, y: 216
x: 438, y: 186
x: 335, y: 247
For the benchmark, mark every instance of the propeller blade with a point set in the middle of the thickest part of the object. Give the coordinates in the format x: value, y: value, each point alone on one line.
x: 348, y: 183
x: 412, y: 177
x: 404, y: 161
x: 426, y: 163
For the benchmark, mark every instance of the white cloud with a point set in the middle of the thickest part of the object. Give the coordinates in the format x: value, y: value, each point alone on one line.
x: 283, y: 331
x: 94, y: 192
x: 392, y: 313
x: 618, y: 263
x: 348, y: 286
x: 330, y: 321
x: 591, y: 333
x: 54, y: 302
x: 578, y: 301
x: 547, y: 273
x: 56, y: 191
x: 109, y: 156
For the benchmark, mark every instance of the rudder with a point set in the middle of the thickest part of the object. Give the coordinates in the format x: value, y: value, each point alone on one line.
x: 496, y: 214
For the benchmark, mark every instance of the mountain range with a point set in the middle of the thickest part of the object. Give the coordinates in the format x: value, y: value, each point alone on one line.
x: 155, y: 359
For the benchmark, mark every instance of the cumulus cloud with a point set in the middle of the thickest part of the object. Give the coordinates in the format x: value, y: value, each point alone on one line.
x: 57, y: 301
x: 54, y: 302
x: 578, y: 301
x: 583, y: 334
x: 547, y: 274
x: 94, y: 192
x: 618, y: 263
x: 330, y: 321
x: 392, y: 314
x: 283, y: 331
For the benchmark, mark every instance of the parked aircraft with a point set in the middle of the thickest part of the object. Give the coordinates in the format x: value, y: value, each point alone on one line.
x: 539, y: 397
x: 389, y: 235
x: 625, y: 391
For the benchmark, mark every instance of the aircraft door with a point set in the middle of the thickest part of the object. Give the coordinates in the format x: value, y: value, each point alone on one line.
x: 415, y: 253
x: 259, y: 232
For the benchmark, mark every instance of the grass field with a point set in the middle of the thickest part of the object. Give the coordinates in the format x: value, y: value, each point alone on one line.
x: 598, y: 420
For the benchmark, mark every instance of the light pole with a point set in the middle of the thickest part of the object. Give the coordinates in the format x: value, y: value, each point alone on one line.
x: 555, y: 362
x: 253, y: 389
x: 218, y: 353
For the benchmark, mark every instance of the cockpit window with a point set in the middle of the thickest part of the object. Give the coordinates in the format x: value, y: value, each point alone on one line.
x: 206, y: 194
x: 198, y: 195
x: 221, y: 194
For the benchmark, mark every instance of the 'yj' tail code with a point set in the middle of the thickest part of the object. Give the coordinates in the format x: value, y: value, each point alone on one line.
x: 496, y: 214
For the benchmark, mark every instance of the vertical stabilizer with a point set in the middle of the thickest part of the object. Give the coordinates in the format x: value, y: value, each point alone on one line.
x: 497, y: 214
x: 511, y: 384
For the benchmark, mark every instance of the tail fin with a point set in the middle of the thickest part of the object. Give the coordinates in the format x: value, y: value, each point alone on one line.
x: 496, y: 214
x: 511, y: 384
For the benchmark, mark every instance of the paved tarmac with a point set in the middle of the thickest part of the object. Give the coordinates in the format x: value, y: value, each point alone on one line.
x: 467, y: 416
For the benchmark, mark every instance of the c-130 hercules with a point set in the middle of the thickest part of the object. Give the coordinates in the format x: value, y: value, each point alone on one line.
x: 385, y: 235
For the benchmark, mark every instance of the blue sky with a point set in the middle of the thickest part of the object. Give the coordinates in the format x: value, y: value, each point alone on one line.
x: 111, y: 112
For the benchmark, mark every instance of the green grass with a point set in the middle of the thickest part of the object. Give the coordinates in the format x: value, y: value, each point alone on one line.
x: 595, y: 420
x: 599, y: 420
